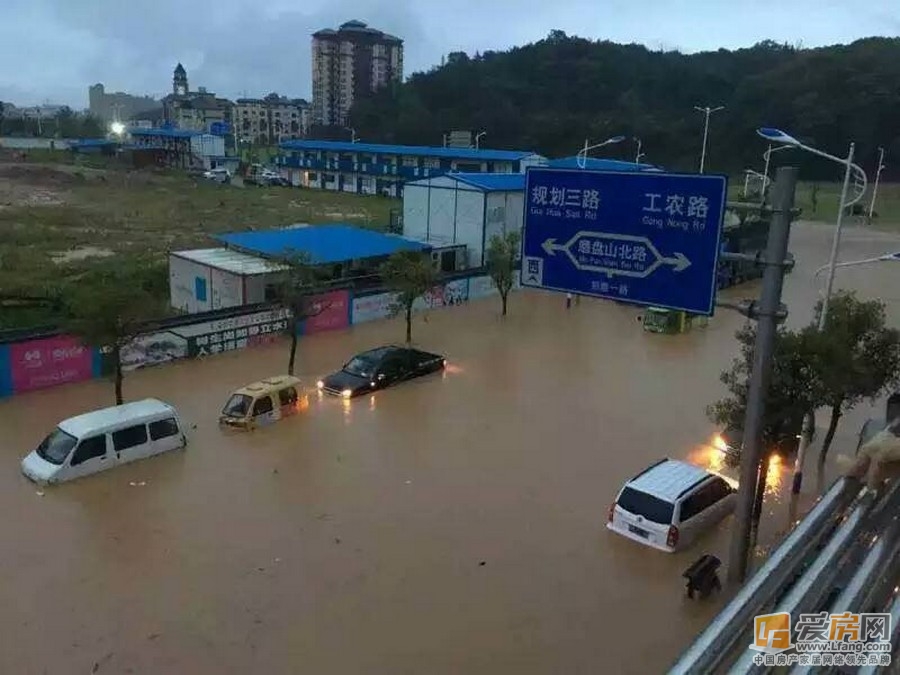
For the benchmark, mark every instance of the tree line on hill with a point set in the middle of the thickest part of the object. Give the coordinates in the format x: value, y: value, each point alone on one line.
x: 550, y: 95
x: 64, y: 124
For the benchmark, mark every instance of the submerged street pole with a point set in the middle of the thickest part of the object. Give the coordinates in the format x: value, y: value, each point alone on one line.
x: 768, y: 312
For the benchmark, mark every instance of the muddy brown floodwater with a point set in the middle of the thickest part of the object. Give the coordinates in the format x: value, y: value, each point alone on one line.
x: 450, y: 525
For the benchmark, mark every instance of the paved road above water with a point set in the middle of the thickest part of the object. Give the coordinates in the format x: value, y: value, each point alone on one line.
x: 451, y: 525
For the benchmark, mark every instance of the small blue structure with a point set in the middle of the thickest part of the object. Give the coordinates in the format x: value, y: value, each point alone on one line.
x: 324, y: 244
x: 95, y: 146
x: 648, y: 238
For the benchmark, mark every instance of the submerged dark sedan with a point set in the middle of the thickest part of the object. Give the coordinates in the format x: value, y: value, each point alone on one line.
x: 380, y: 368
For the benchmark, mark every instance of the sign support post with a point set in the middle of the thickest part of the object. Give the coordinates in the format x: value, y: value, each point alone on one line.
x: 768, y: 312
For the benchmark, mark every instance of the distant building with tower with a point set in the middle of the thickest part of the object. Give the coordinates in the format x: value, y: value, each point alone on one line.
x: 118, y: 106
x: 194, y: 110
x: 350, y: 62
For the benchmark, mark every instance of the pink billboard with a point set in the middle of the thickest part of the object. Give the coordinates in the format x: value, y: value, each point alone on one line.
x: 334, y: 312
x: 48, y: 362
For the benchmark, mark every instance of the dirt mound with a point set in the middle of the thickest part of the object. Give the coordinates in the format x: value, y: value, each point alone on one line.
x: 37, y: 175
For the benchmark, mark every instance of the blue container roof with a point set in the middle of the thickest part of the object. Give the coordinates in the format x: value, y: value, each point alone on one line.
x: 492, y: 182
x: 595, y: 164
x: 322, y: 243
x: 165, y: 133
x: 411, y: 150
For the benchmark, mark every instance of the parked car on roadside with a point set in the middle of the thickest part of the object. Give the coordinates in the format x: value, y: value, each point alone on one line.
x: 218, y: 175
x: 380, y: 368
x: 670, y: 504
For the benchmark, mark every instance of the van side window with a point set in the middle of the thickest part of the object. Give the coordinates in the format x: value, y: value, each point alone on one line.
x: 89, y: 448
x: 129, y: 437
x: 287, y: 396
x: 262, y: 406
x: 720, y: 490
x: 163, y: 428
x: 697, y: 502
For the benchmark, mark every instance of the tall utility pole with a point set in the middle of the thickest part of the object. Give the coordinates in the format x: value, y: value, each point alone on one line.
x: 877, y: 178
x: 707, y: 111
x: 768, y: 313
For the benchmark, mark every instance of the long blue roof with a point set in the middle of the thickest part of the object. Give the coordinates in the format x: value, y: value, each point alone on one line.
x: 165, y: 133
x: 322, y: 243
x: 492, y: 182
x: 411, y: 150
x: 595, y: 164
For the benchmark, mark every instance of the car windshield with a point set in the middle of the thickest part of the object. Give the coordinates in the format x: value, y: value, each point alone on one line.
x: 641, y: 504
x: 238, y: 405
x: 56, y: 447
x: 361, y: 366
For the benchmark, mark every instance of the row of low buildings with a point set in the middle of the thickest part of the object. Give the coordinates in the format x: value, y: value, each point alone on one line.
x: 451, y: 216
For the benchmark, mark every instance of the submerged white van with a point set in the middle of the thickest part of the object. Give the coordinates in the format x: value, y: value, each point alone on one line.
x: 102, y: 439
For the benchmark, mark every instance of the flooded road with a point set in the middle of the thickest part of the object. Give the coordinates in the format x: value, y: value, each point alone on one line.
x: 453, y: 524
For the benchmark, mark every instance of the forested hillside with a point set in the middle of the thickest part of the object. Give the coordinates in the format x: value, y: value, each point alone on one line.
x: 551, y: 95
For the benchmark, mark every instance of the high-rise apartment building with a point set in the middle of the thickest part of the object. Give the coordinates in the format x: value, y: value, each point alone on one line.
x: 349, y: 62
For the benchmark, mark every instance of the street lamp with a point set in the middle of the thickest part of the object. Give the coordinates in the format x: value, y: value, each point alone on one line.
x: 887, y: 257
x: 877, y: 178
x: 581, y: 158
x: 478, y: 138
x: 353, y: 138
x: 638, y: 154
x: 750, y: 173
x: 706, y: 111
x: 767, y: 155
x: 779, y: 136
x: 117, y: 128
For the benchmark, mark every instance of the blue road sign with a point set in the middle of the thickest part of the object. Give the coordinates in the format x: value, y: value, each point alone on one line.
x: 648, y: 238
x: 220, y: 128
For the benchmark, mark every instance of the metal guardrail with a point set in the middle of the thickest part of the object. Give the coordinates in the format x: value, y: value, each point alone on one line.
x: 848, y: 544
x: 716, y: 644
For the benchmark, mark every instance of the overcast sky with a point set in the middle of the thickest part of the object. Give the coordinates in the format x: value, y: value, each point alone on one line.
x: 51, y: 50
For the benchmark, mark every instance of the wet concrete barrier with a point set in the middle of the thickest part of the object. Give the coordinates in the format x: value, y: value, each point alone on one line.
x: 30, y: 363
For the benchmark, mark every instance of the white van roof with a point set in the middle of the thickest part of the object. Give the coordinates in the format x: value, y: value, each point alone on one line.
x: 668, y: 479
x: 117, y: 415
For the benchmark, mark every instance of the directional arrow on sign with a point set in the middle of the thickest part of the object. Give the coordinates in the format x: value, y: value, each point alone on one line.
x: 678, y: 261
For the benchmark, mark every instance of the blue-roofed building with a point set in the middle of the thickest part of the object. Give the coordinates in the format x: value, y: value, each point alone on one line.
x: 249, y: 266
x: 324, y: 244
x: 470, y: 208
x: 374, y: 168
x: 463, y: 209
x: 180, y: 148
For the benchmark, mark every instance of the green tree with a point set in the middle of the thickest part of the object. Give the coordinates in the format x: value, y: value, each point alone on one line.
x: 855, y: 357
x: 112, y: 304
x: 296, y: 293
x: 503, y: 251
x: 409, y: 274
x: 793, y: 387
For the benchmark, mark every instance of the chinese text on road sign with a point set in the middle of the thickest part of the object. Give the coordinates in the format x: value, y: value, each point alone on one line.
x: 649, y: 238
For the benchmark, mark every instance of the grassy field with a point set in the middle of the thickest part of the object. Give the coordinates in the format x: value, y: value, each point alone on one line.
x: 887, y: 203
x: 58, y: 219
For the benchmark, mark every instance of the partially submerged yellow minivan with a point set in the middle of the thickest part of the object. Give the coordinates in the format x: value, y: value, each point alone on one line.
x: 263, y: 402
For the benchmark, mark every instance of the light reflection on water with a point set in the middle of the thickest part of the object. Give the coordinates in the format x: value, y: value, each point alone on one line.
x: 712, y: 457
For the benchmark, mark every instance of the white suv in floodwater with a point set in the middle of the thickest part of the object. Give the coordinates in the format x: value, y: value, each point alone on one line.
x: 668, y: 505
